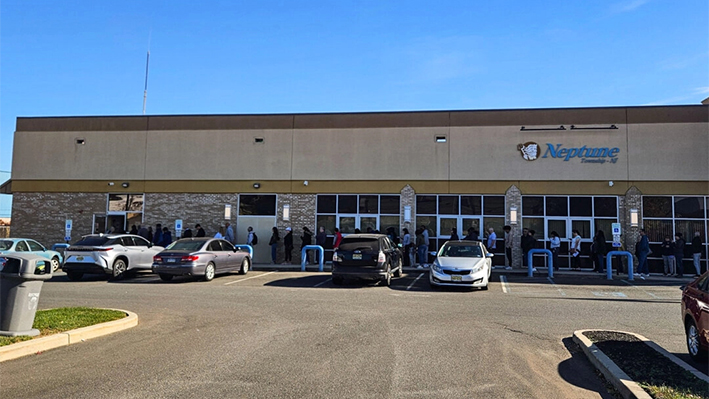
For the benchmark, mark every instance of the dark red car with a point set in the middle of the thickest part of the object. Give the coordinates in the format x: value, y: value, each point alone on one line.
x: 695, y: 312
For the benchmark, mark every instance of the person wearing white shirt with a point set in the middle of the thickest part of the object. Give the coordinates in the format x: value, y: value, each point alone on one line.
x: 491, y: 240
x: 575, y: 249
x: 555, y: 245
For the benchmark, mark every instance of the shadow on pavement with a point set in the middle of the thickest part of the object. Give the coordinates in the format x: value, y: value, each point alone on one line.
x: 591, y: 279
x: 677, y: 301
x: 701, y: 366
x: 579, y: 371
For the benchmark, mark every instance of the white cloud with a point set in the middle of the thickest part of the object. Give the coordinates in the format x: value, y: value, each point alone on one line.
x: 627, y: 6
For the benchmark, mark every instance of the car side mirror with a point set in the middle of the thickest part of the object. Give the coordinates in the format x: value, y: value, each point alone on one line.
x: 150, y: 245
x: 489, y: 255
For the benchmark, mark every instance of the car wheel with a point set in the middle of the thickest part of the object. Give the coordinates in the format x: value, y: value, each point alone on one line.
x: 693, y: 346
x: 55, y: 264
x: 338, y: 280
x: 74, y: 276
x: 244, y: 266
x: 432, y: 285
x: 119, y: 268
x: 209, y: 272
x: 485, y: 287
x: 400, y: 269
x: 165, y: 277
x: 386, y: 281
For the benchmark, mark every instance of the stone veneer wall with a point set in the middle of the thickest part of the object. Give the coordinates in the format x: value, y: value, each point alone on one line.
x: 632, y: 200
x: 41, y: 216
x: 302, y: 213
x: 513, y: 198
x: 407, y: 198
x: 205, y: 209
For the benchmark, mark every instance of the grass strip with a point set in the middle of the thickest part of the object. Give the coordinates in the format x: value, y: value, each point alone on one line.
x: 58, y: 320
x: 655, y: 373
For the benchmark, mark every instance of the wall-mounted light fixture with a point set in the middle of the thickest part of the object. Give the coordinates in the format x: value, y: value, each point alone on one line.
x: 407, y: 213
x: 125, y: 184
x: 257, y: 185
x: 286, y: 212
x: 441, y: 139
x: 611, y: 127
x: 634, y: 218
x: 110, y: 183
x: 305, y: 182
x: 227, y: 212
x: 532, y: 129
x: 513, y: 215
x: 610, y: 183
x: 80, y: 141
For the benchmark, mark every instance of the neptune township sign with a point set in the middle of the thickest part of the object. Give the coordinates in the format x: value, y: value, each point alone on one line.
x: 531, y: 151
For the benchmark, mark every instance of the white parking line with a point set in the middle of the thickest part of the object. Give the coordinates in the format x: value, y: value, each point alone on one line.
x: 414, y: 282
x: 319, y: 284
x: 248, y: 278
x: 638, y: 288
x: 505, y: 286
x: 555, y: 286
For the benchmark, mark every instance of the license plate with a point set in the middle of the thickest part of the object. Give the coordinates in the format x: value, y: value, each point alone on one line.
x: 171, y: 260
x: 356, y: 256
x: 79, y: 258
x: 456, y: 278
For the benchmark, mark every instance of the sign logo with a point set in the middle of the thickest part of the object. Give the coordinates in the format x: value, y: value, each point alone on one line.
x: 529, y: 150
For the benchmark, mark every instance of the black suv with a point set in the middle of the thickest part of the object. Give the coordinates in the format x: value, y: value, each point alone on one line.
x: 366, y: 256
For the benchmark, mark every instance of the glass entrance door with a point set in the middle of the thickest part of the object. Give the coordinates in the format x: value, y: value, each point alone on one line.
x: 562, y: 228
x: 585, y: 229
x: 460, y: 223
x: 348, y: 223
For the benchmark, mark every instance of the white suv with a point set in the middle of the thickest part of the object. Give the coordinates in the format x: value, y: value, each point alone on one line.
x: 114, y: 254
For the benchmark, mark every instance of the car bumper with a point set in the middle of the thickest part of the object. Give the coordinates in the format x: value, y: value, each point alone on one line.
x: 354, y: 272
x: 478, y: 279
x: 179, y: 269
x: 87, y: 268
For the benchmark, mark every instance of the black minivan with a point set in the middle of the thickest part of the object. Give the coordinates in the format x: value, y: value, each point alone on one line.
x: 366, y: 257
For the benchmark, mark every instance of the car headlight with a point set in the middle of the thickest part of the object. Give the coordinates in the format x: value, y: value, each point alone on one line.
x: 436, y: 267
x: 478, y: 267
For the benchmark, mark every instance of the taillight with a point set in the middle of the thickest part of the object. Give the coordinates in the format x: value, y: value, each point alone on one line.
x: 336, y: 257
x: 382, y: 257
x: 190, y: 258
x: 157, y: 259
x: 103, y: 249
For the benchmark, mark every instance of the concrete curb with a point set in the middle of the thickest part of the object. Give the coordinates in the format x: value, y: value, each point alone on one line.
x: 66, y: 338
x: 615, y: 375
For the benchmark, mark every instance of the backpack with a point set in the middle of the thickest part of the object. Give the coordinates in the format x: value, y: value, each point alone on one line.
x: 254, y: 241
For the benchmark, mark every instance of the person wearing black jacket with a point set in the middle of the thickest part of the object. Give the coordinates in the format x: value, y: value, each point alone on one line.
x: 679, y: 254
x: 600, y: 249
x: 306, y: 239
x: 528, y: 244
x: 200, y: 230
x: 697, y: 252
x: 668, y: 252
x: 288, y: 244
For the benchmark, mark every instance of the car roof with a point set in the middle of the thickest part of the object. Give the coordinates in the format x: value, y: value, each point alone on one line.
x: 365, y: 235
x: 461, y: 243
x: 112, y: 235
x: 199, y: 239
x: 17, y: 239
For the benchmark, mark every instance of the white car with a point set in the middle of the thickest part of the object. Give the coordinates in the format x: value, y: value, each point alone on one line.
x: 461, y: 264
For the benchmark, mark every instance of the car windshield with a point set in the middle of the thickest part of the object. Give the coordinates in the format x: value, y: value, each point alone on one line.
x: 461, y: 251
x: 360, y: 244
x: 5, y: 245
x: 92, y: 241
x: 186, y: 245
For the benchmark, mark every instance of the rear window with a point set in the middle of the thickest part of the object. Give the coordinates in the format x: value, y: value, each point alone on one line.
x: 92, y: 241
x: 360, y: 244
x: 186, y: 245
x: 5, y: 245
x: 461, y: 251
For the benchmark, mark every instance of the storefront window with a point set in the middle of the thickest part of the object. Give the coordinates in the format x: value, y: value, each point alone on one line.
x: 472, y: 205
x: 347, y: 204
x: 327, y: 204
x: 448, y: 205
x: 494, y: 205
x: 557, y: 206
x: 368, y: 204
x: 532, y: 206
x: 389, y: 204
x: 580, y: 206
x: 257, y: 205
x: 689, y: 207
x: 426, y: 205
x: 605, y: 206
x: 657, y: 207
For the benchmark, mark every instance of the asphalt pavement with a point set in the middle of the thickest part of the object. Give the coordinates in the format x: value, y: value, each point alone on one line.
x: 288, y: 334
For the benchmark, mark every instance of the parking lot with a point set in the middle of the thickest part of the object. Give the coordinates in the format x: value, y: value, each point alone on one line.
x: 295, y: 334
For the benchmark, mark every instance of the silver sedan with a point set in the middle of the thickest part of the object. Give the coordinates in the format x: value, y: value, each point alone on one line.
x: 202, y: 257
x: 461, y: 264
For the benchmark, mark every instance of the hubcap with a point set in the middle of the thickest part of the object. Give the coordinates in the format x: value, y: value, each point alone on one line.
x: 55, y: 265
x: 693, y: 340
x: 245, y: 266
x: 210, y: 272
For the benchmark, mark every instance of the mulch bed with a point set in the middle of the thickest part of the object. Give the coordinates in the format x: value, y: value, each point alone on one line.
x: 645, y: 365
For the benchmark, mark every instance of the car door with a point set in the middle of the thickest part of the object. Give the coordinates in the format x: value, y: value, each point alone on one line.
x: 132, y: 252
x: 215, y: 248
x: 228, y: 251
x: 141, y: 248
x: 385, y: 247
x: 37, y: 249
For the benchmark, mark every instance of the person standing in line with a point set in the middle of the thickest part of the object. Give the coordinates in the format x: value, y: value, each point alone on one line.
x: 250, y: 236
x: 555, y: 245
x: 420, y: 247
x: 508, y: 246
x: 668, y: 254
x: 229, y: 233
x: 679, y: 255
x: 575, y: 249
x: 288, y: 244
x: 526, y: 245
x: 697, y: 252
x: 166, y: 237
x: 200, y: 230
x: 407, y: 247
x: 150, y: 234
x: 491, y: 240
x: 134, y: 230
x: 601, y: 251
x: 426, y: 243
x: 187, y: 233
x: 157, y: 238
x: 273, y: 242
x: 306, y: 239
x: 143, y: 232
x: 321, y: 238
x: 471, y: 236
x: 642, y: 249
x: 454, y: 234
x: 337, y: 239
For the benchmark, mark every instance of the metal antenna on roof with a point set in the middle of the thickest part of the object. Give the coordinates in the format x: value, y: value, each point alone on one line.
x: 147, y: 64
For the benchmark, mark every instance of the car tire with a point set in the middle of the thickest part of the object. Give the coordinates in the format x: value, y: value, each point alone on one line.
x: 386, y: 281
x: 400, y: 269
x: 209, y: 272
x: 165, y: 277
x: 693, y: 346
x: 338, y: 280
x: 74, y: 276
x: 245, y: 265
x: 485, y: 287
x: 432, y: 285
x: 119, y: 269
x: 55, y: 264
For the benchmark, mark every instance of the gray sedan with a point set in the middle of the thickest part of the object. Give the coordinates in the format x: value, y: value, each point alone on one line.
x: 203, y: 257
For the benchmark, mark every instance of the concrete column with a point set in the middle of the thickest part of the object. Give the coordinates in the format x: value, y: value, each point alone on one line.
x: 632, y: 200
x: 513, y: 198
x: 407, y: 198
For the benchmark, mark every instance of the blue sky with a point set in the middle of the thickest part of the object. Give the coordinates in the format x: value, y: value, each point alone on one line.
x: 224, y: 57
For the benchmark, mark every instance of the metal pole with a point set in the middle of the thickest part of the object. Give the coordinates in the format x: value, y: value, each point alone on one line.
x: 145, y: 91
